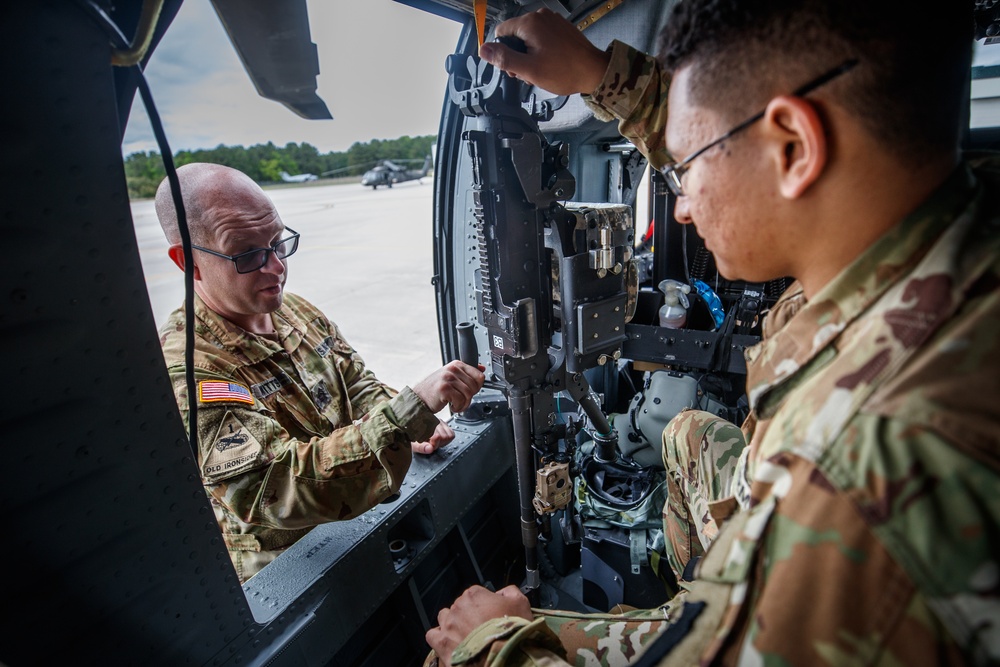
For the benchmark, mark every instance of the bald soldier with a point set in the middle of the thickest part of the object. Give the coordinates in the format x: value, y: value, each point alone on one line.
x: 293, y: 430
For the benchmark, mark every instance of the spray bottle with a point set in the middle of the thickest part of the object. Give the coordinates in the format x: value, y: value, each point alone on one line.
x: 673, y: 312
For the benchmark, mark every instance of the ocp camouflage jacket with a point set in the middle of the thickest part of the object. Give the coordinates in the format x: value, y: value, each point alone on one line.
x: 293, y: 430
x: 873, y: 533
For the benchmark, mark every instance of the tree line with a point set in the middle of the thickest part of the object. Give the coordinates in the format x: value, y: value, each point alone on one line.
x: 265, y: 162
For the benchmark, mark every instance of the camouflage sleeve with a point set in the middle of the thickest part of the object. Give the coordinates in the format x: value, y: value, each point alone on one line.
x: 511, y: 642
x: 367, y: 393
x: 634, y: 91
x: 557, y: 637
x: 928, y: 492
x: 257, y: 470
x: 892, y: 537
x: 364, y: 390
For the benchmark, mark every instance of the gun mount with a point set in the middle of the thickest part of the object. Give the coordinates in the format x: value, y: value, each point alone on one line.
x: 552, y: 289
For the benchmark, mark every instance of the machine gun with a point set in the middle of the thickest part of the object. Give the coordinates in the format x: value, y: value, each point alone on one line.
x: 556, y: 285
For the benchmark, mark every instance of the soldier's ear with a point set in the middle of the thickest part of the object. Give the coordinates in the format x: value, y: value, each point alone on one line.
x: 799, y: 144
x: 176, y: 253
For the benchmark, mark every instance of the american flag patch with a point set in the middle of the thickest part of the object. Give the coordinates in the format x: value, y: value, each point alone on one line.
x: 216, y: 390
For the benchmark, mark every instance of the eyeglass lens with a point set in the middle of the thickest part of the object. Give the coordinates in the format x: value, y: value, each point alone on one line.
x: 255, y: 259
x: 672, y: 176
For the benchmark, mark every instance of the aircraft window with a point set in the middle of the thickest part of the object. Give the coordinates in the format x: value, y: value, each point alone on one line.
x: 356, y: 249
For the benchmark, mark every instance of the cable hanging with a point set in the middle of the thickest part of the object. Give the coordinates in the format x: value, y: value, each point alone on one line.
x: 120, y: 42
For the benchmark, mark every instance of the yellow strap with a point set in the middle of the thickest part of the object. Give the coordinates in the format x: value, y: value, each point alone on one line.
x: 480, y: 9
x: 598, y: 13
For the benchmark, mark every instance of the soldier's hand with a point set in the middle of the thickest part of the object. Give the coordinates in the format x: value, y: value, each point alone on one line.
x: 453, y: 385
x: 442, y: 436
x: 559, y: 58
x: 473, y: 608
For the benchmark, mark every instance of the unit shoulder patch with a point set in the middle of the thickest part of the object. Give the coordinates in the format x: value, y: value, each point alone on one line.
x: 214, y: 391
x: 234, y: 448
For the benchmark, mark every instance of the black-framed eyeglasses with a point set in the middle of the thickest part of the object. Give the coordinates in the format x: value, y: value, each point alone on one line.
x: 252, y: 260
x: 674, y: 172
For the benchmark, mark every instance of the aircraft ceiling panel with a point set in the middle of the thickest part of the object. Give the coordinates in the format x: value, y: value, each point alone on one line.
x: 274, y: 43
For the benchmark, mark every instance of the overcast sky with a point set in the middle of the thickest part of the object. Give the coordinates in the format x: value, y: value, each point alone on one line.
x: 381, y: 75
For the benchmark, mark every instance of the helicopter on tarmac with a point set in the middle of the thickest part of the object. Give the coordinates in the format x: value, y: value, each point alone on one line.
x: 387, y: 172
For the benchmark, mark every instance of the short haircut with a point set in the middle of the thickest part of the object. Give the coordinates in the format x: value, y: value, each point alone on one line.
x: 204, y: 186
x: 166, y: 212
x: 907, y: 90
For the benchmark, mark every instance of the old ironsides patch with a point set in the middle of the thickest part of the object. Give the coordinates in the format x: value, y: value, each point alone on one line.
x: 234, y: 449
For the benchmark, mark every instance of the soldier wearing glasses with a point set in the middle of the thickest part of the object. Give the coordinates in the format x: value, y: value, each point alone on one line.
x: 817, y: 139
x: 293, y: 430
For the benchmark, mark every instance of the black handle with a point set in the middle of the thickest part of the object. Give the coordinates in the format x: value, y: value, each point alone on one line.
x: 468, y: 349
x: 512, y: 42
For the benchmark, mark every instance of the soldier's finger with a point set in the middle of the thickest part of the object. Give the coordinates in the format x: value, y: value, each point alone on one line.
x: 460, y: 386
x: 504, y: 58
x: 472, y: 376
x: 510, y: 591
x: 437, y: 640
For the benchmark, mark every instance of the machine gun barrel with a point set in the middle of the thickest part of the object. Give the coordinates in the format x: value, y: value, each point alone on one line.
x: 521, y: 408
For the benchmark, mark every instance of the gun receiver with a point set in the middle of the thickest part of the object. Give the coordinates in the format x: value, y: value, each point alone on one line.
x: 552, y: 283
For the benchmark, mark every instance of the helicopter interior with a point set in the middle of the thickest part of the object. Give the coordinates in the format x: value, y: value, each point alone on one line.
x: 117, y: 553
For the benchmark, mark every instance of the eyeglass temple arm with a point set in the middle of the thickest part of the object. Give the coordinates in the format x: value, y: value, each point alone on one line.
x: 798, y: 92
x: 742, y: 126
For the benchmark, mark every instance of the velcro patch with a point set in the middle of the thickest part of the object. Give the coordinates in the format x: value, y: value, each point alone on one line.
x: 234, y: 449
x: 323, y: 348
x: 212, y: 391
x: 321, y: 395
x: 264, y: 389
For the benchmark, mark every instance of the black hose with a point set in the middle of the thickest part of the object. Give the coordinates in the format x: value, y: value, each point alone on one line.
x: 118, y: 38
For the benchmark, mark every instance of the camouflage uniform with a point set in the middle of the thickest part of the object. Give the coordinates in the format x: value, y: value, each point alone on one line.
x: 873, y: 529
x: 293, y: 430
x: 705, y: 458
x: 635, y: 94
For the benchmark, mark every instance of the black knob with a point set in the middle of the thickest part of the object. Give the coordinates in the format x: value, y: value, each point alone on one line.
x: 512, y: 42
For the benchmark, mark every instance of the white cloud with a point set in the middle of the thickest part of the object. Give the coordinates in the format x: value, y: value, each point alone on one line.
x: 381, y: 75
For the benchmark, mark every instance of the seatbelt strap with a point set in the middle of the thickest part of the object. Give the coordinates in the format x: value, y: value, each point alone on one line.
x: 480, y: 13
x: 673, y: 635
x: 637, y: 548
